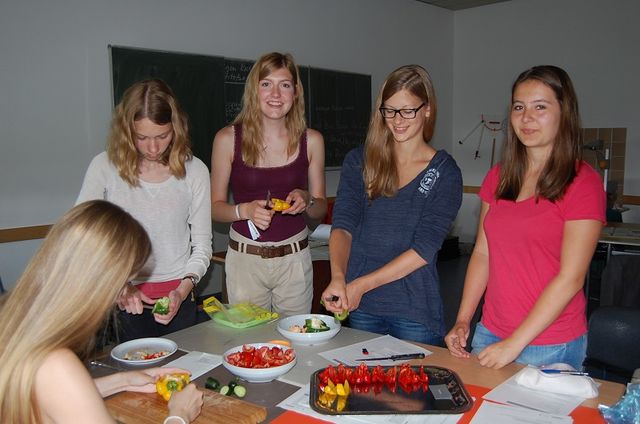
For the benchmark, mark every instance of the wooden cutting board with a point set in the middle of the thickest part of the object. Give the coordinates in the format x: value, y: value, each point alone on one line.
x: 150, y: 408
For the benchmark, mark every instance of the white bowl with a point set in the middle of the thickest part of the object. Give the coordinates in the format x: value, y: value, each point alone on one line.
x: 257, y: 375
x: 308, y: 338
x: 149, y: 345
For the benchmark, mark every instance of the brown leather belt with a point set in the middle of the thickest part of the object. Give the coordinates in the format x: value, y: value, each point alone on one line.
x: 268, y: 252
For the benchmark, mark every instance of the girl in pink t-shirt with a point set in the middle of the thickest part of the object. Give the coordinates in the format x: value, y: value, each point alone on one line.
x: 542, y: 212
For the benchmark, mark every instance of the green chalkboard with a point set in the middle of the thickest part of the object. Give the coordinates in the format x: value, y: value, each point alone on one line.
x: 339, y: 107
x: 210, y: 88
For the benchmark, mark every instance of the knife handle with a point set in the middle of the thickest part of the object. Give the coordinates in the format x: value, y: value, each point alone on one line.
x: 408, y: 356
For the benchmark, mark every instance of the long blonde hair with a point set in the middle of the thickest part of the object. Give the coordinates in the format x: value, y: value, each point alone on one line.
x: 64, y: 296
x: 251, y: 117
x: 152, y: 99
x: 380, y: 170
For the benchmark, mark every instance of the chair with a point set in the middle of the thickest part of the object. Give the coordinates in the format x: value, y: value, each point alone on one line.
x: 620, y: 281
x: 613, y: 346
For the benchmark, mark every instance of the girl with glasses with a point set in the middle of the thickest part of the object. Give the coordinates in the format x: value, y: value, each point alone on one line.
x: 396, y: 201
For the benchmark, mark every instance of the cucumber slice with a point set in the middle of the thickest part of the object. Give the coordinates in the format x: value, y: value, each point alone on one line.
x: 224, y: 390
x: 212, y: 384
x: 342, y: 315
x: 240, y: 391
x: 232, y: 385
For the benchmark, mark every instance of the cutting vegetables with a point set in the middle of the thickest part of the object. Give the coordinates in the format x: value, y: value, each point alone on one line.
x: 311, y: 325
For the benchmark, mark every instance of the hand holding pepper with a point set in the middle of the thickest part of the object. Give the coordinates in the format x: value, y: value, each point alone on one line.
x: 170, y: 383
x: 186, y: 403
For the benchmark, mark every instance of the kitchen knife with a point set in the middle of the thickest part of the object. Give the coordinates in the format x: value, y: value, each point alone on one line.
x: 402, y: 357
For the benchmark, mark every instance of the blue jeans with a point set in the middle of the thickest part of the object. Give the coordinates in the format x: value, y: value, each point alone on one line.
x: 572, y: 353
x: 397, y: 327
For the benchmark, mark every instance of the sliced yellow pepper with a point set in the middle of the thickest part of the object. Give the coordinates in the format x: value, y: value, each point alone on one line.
x: 279, y: 205
x: 330, y: 388
x: 167, y: 384
x: 342, y: 402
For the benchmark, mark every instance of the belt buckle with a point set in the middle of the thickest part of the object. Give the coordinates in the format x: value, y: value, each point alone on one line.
x: 266, y: 252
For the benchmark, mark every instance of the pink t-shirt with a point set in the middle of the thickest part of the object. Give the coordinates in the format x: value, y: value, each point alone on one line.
x: 525, y: 244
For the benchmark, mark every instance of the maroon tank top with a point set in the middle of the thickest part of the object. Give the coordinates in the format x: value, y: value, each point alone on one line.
x: 249, y: 183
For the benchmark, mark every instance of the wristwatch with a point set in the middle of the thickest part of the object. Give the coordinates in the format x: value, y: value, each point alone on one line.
x: 193, y: 278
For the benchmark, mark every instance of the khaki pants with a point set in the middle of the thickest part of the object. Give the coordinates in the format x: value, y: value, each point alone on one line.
x: 283, y: 285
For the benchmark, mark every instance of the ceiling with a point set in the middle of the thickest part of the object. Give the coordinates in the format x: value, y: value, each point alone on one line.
x: 460, y: 4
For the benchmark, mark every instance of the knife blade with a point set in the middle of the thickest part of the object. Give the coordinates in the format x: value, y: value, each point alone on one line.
x: 268, y: 200
x: 395, y: 357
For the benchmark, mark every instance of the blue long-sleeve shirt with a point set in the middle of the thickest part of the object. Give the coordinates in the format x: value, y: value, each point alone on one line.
x: 418, y: 217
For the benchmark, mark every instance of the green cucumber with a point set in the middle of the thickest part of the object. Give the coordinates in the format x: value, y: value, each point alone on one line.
x: 212, y: 384
x: 239, y: 391
x: 341, y: 316
x: 224, y: 390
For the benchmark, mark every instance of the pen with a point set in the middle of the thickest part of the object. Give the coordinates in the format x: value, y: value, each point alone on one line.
x: 566, y: 372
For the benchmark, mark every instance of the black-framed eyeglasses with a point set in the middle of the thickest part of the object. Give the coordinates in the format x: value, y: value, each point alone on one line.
x: 389, y: 113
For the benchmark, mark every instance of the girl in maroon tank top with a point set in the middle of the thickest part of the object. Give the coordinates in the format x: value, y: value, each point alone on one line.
x: 269, y: 152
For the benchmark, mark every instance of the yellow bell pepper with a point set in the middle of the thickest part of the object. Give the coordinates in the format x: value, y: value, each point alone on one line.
x: 167, y: 384
x: 279, y: 205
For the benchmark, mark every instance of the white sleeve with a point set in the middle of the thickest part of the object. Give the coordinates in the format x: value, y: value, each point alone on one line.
x: 199, y: 218
x: 94, y: 184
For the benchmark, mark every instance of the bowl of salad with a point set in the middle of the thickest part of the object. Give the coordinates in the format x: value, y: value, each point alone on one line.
x: 259, y: 362
x: 309, y: 329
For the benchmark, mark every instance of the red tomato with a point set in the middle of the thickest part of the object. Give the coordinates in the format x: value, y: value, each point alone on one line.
x: 263, y: 357
x: 377, y: 375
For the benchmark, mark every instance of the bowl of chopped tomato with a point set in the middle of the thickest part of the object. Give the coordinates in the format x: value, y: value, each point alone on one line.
x: 259, y: 362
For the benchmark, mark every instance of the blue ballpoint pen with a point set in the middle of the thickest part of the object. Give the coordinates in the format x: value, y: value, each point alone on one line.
x: 566, y: 372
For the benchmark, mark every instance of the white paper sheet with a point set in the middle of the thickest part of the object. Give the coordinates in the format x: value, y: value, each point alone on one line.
x: 379, y: 347
x: 299, y: 402
x: 195, y: 362
x: 510, y: 392
x: 493, y: 413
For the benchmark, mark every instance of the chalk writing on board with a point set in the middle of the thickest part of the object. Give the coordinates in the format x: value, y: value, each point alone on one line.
x: 236, y: 71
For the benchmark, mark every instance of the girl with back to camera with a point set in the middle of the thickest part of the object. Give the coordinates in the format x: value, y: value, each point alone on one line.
x: 396, y: 201
x: 149, y: 170
x: 51, y: 316
x: 541, y: 216
x: 269, y: 151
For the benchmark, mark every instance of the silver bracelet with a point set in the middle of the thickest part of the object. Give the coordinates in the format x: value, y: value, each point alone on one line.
x: 174, y: 417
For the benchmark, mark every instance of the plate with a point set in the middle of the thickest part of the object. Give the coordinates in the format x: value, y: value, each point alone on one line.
x: 149, y: 345
x: 246, y: 315
x: 309, y: 338
x: 445, y: 395
x: 257, y: 375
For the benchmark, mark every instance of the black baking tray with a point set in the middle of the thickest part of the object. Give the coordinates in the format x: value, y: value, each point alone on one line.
x: 446, y: 395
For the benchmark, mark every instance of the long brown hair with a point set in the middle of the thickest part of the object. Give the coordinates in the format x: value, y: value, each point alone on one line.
x: 64, y: 295
x: 380, y: 170
x: 560, y: 168
x: 251, y: 117
x: 152, y: 99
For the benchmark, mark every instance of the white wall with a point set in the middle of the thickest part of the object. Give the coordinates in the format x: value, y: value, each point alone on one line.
x: 595, y: 41
x: 54, y: 75
x: 55, y: 82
